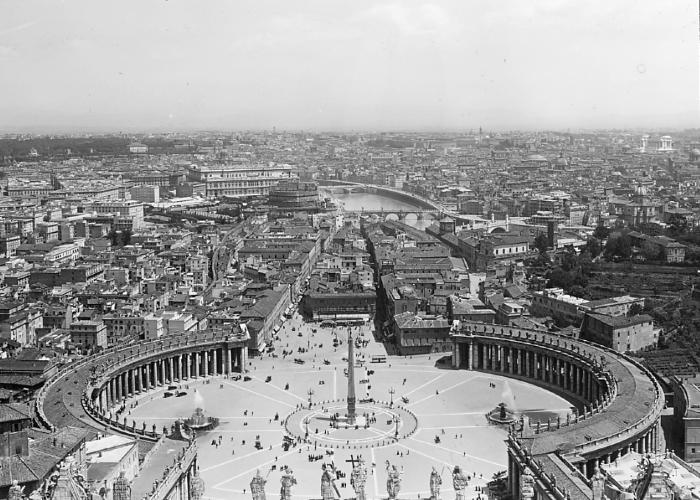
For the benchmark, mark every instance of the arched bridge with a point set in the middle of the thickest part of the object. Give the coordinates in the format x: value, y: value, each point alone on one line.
x: 400, y: 215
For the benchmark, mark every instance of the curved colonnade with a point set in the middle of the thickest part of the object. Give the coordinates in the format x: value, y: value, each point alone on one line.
x: 89, y: 391
x: 619, y: 403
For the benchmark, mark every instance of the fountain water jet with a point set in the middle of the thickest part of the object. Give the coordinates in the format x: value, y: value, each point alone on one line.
x: 199, y: 421
x: 504, y: 413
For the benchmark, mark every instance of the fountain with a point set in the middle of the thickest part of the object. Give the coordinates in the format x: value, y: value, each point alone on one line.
x: 504, y: 413
x: 199, y: 421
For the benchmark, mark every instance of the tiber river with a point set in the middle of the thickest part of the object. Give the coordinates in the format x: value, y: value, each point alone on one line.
x: 367, y: 201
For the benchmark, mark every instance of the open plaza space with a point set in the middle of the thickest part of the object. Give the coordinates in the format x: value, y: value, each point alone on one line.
x: 420, y: 413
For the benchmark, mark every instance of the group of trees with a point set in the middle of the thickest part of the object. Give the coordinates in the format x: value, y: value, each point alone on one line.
x: 119, y: 238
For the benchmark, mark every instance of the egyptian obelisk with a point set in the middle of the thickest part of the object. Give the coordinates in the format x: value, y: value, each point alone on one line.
x: 351, y: 378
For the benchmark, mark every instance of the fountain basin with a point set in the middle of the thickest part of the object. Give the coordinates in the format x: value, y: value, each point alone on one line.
x: 501, y: 415
x: 200, y: 422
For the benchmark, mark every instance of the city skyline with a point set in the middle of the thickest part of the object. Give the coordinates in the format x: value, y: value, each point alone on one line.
x: 82, y: 67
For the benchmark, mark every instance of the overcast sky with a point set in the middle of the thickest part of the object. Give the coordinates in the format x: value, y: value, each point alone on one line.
x: 238, y: 64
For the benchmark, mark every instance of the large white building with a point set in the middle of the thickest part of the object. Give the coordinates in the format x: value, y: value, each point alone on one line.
x: 130, y: 210
x: 238, y: 179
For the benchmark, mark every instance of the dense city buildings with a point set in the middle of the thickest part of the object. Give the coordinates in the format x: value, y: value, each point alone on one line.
x: 566, y: 261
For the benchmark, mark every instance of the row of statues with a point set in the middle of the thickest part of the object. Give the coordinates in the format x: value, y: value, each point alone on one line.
x: 358, y: 481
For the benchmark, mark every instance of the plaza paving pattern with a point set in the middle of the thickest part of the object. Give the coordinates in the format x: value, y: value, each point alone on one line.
x: 450, y: 406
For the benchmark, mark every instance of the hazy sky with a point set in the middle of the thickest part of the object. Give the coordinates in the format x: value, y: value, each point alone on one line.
x: 238, y: 64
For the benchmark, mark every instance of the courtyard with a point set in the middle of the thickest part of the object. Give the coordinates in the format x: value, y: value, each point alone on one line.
x: 449, y: 407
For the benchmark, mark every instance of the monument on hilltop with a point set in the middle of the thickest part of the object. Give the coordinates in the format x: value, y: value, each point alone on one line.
x: 351, y: 379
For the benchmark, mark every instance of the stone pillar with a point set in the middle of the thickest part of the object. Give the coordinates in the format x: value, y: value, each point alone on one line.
x: 140, y: 369
x: 511, y: 364
x: 215, y: 362
x: 148, y: 376
x: 471, y: 355
x: 170, y: 367
x: 132, y: 376
x: 228, y: 356
x: 580, y: 380
x: 205, y: 363
x: 244, y: 359
x: 179, y: 368
x: 587, y: 384
x: 162, y: 371
x: 455, y: 354
x: 196, y: 364
x: 188, y: 364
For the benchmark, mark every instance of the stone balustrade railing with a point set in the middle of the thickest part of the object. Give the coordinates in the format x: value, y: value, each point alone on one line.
x: 171, y: 475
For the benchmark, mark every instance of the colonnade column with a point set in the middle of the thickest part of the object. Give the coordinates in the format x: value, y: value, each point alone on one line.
x: 511, y: 360
x: 196, y: 364
x: 214, y: 367
x: 188, y: 360
x: 471, y: 356
x: 118, y: 378
x: 205, y: 363
x: 132, y: 376
x: 170, y: 367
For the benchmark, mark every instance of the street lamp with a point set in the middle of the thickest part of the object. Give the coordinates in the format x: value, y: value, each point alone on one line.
x: 310, y: 392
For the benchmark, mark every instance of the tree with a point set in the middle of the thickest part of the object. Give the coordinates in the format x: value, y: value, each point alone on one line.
x: 619, y: 245
x: 651, y: 251
x: 677, y: 224
x: 593, y: 247
x: 601, y: 232
x: 569, y: 259
x: 636, y: 309
x: 650, y: 228
x: 559, y: 278
x: 542, y: 243
x: 585, y: 262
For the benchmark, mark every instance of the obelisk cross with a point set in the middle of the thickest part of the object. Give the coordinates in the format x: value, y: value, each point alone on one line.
x: 351, y: 378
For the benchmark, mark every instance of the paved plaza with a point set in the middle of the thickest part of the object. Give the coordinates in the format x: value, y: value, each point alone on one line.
x: 449, y: 407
